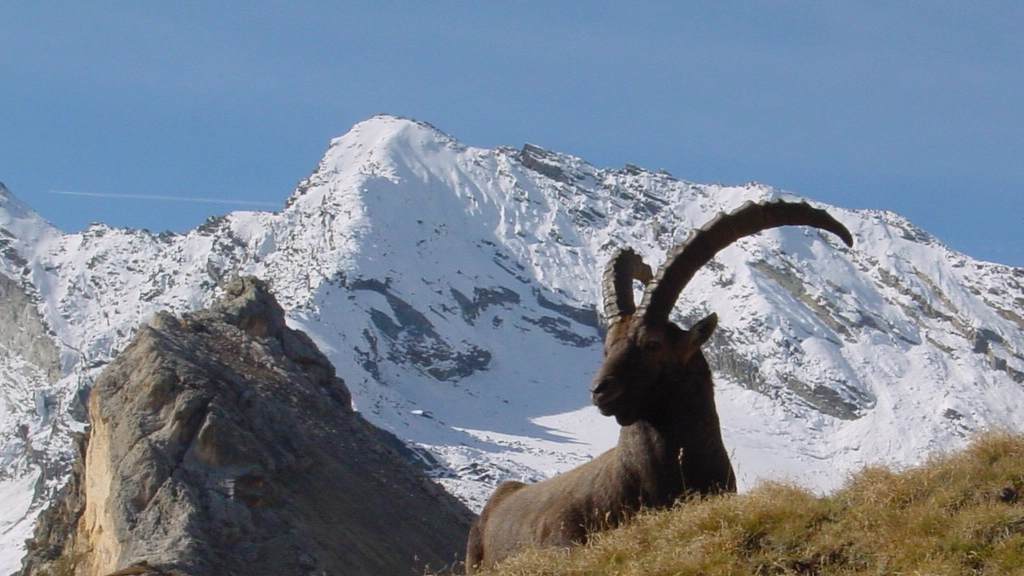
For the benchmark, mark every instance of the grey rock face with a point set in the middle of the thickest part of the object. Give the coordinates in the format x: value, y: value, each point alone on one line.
x: 222, y: 442
x: 22, y: 329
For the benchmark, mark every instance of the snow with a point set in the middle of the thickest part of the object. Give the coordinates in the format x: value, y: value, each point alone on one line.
x: 17, y: 519
x: 454, y: 289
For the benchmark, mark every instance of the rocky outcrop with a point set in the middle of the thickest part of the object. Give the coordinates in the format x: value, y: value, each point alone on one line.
x: 222, y: 442
x: 23, y: 330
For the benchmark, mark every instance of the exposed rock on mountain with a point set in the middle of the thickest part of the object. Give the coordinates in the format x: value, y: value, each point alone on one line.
x: 23, y: 330
x: 222, y: 442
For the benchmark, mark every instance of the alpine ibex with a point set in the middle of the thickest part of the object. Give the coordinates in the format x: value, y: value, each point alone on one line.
x: 657, y: 384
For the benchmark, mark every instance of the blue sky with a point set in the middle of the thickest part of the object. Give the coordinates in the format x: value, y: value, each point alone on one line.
x: 916, y: 107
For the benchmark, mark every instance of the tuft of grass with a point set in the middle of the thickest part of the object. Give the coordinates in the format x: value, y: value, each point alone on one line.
x: 957, y: 514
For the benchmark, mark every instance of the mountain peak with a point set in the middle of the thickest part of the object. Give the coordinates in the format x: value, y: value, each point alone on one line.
x: 382, y: 146
x: 385, y: 130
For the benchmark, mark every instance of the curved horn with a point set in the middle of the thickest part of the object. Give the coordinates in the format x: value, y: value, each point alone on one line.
x: 687, y: 258
x: 624, y: 267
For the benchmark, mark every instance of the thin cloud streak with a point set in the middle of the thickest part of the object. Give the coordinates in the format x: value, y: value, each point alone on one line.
x: 167, y: 198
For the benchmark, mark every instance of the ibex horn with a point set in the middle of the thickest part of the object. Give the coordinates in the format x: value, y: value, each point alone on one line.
x: 687, y: 258
x: 623, y: 267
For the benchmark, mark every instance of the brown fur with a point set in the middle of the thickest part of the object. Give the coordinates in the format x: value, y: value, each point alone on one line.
x: 657, y: 384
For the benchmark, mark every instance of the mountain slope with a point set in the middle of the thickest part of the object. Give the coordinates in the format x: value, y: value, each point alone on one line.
x: 454, y: 289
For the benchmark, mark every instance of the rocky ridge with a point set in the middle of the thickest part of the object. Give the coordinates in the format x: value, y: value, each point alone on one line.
x: 222, y: 442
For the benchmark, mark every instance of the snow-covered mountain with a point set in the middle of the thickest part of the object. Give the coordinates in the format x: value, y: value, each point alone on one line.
x: 454, y: 288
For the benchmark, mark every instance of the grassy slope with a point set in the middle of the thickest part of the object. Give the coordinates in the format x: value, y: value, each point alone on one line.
x: 957, y: 514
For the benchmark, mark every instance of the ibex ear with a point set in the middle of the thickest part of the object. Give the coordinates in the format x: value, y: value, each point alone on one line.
x: 701, y: 331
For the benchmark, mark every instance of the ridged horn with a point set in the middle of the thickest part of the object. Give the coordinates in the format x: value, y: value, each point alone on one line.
x: 687, y: 258
x: 617, y: 285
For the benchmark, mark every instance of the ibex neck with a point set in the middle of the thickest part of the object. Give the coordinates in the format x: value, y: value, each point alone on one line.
x: 651, y: 464
x: 677, y: 452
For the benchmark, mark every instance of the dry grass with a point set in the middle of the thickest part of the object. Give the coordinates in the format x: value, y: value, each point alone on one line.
x: 957, y: 514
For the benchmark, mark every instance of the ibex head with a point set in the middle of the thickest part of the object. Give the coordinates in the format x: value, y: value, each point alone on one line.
x: 647, y: 357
